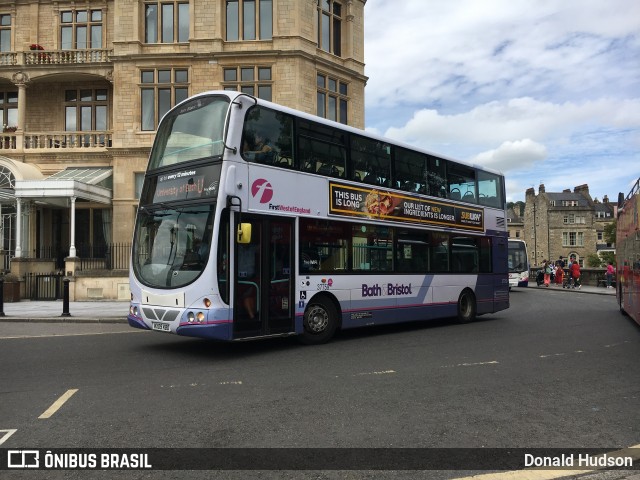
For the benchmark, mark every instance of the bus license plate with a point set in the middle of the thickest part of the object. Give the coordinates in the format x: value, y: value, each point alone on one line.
x: 160, y: 327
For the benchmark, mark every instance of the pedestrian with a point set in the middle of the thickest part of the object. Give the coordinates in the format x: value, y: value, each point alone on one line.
x: 559, y: 273
x: 575, y: 274
x: 610, y: 272
x: 547, y: 273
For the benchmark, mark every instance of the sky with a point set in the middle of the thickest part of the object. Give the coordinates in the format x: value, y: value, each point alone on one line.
x: 544, y: 91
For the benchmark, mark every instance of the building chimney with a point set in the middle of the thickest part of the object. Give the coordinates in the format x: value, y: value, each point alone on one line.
x: 530, y: 191
x: 541, y: 188
x: 584, y: 191
x: 605, y: 199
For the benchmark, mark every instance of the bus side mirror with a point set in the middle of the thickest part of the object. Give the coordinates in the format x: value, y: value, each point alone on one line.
x: 244, y: 233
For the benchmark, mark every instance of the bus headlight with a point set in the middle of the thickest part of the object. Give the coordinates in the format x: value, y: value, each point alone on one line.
x: 133, y: 310
x: 207, y: 302
x: 196, y: 317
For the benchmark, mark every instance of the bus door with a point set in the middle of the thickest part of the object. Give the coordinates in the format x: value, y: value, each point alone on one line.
x: 263, y: 300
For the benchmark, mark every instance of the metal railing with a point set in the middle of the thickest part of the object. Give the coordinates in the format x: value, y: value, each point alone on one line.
x: 114, y: 256
x: 6, y: 257
x: 43, y: 286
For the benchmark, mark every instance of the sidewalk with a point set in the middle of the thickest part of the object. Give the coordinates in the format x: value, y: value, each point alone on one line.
x: 51, y: 311
x: 584, y: 289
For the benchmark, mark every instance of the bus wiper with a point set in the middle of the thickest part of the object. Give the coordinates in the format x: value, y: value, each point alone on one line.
x: 194, y: 211
x: 153, y: 209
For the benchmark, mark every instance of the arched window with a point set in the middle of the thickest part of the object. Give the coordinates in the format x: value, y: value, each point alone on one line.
x: 7, y: 179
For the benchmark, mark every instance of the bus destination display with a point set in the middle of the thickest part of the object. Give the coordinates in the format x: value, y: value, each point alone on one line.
x: 191, y: 183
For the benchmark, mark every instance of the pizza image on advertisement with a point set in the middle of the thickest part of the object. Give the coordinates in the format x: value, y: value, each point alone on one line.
x: 379, y: 203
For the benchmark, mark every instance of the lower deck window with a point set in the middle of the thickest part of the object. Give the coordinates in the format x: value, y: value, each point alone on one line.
x: 333, y: 247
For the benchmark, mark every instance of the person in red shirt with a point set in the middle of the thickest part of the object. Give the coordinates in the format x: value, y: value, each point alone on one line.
x: 610, y: 272
x: 575, y: 274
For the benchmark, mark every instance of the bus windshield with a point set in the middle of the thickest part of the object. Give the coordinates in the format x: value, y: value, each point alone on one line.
x: 172, y: 245
x: 192, y: 131
x: 517, y: 256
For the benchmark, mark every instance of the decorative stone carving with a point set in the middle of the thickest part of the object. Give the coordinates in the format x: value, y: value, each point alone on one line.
x: 20, y: 78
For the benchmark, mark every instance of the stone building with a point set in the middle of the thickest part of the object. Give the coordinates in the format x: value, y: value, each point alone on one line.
x: 515, y: 222
x: 568, y: 224
x: 83, y: 85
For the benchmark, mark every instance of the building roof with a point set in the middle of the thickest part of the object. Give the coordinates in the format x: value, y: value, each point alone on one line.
x: 513, y: 217
x: 85, y: 183
x: 568, y: 196
x: 603, y: 207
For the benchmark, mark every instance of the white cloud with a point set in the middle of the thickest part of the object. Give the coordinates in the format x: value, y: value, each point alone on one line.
x: 492, y: 124
x: 510, y: 155
x: 548, y: 91
x: 445, y: 52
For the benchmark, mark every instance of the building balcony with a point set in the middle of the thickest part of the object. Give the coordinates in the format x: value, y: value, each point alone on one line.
x: 21, y: 142
x: 56, y: 57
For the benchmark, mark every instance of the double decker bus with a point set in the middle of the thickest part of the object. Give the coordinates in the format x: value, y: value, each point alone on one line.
x: 518, y: 263
x: 628, y: 253
x: 257, y: 220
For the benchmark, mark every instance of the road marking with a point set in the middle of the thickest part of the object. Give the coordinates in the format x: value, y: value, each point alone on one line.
x: 384, y: 372
x: 7, y: 434
x: 58, y: 403
x: 536, y: 474
x: 616, y: 344
x: 68, y: 334
x: 492, y: 362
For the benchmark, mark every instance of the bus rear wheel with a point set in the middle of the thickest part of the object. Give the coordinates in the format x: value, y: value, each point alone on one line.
x: 320, y: 322
x: 466, y: 307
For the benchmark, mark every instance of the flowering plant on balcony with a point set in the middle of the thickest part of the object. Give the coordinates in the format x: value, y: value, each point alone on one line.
x: 9, y: 128
x: 35, y: 46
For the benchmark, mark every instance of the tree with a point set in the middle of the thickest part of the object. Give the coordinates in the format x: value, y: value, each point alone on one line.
x: 608, y: 257
x: 610, y: 232
x: 593, y: 260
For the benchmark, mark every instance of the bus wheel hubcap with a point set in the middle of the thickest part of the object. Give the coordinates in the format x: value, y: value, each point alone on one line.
x: 317, y: 320
x: 465, y: 306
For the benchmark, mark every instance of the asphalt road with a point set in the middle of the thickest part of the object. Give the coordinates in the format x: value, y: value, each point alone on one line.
x: 555, y: 370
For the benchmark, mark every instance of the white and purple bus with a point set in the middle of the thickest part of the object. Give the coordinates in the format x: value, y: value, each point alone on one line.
x: 256, y: 220
x: 518, y: 262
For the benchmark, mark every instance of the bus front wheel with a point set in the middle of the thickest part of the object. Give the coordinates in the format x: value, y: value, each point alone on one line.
x: 466, y: 307
x: 320, y: 322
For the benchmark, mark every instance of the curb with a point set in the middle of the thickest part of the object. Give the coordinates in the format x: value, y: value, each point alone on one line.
x: 61, y: 319
x: 575, y: 290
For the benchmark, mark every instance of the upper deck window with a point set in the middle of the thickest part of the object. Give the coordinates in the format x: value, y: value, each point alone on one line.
x: 371, y: 161
x: 490, y: 189
x: 191, y: 132
x: 462, y: 183
x: 267, y: 137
